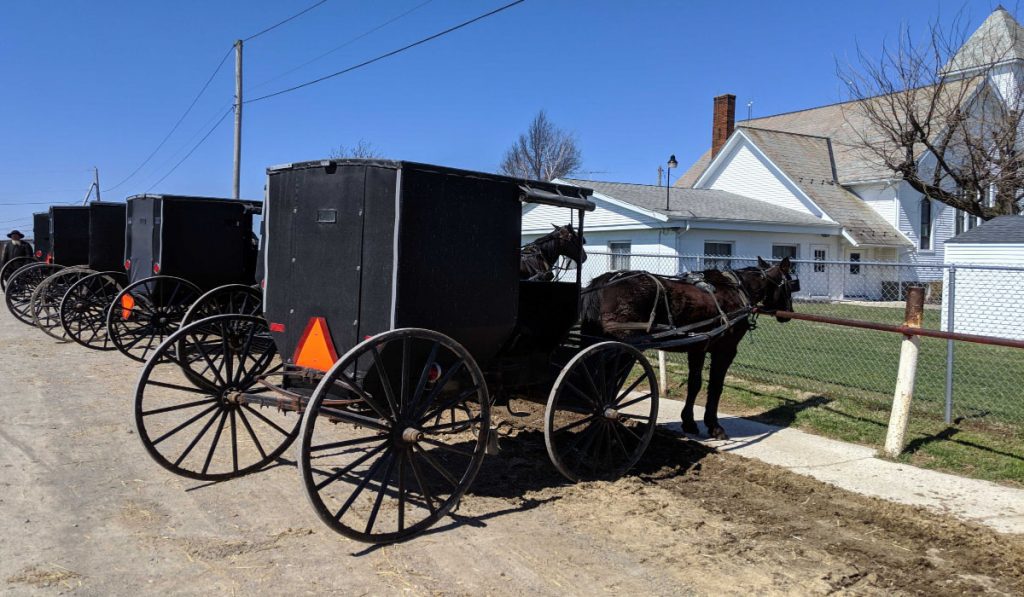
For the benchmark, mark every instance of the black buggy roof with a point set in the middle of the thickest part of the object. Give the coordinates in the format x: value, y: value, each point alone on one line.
x: 533, y: 191
x: 251, y: 203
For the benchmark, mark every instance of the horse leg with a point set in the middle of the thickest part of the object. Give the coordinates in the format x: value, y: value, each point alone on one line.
x: 695, y: 369
x: 721, y: 359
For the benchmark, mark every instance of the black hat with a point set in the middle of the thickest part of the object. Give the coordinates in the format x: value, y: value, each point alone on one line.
x: 13, y: 232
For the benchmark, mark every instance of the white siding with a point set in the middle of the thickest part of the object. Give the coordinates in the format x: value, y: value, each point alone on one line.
x: 987, y: 302
x: 745, y: 173
x: 943, y: 225
x: 879, y: 197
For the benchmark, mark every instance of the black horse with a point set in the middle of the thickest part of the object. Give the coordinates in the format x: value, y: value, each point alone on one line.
x: 537, y: 259
x: 616, y: 298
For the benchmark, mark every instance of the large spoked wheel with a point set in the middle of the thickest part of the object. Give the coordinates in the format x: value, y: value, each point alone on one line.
x: 21, y: 286
x: 83, y: 308
x: 601, y: 412
x: 393, y: 435
x: 45, y: 304
x: 144, y: 313
x: 12, y: 266
x: 230, y: 298
x: 210, y: 418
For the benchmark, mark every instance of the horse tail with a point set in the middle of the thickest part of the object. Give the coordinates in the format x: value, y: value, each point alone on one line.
x: 590, y: 307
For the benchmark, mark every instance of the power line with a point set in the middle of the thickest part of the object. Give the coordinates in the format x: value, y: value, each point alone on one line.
x: 275, y: 26
x: 194, y: 147
x: 387, y: 55
x: 344, y: 45
x: 176, y: 124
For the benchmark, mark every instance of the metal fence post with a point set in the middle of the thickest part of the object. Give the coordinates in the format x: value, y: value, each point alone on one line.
x: 950, y: 311
x: 662, y: 373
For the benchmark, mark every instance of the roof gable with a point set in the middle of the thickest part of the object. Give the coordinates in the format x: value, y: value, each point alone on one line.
x: 999, y: 39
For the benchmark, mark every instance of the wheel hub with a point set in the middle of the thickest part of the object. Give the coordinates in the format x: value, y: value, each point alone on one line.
x: 611, y: 414
x: 411, y: 435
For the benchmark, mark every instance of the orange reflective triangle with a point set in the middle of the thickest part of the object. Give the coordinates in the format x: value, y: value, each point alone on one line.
x: 316, y: 349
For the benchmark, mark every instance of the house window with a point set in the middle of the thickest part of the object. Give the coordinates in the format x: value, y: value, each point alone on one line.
x: 926, y: 224
x: 780, y: 252
x: 619, y: 258
x: 964, y: 221
x: 713, y: 249
x: 855, y: 263
x: 819, y: 255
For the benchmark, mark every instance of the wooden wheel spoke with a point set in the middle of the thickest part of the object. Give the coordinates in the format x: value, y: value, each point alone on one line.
x: 446, y: 447
x: 167, y: 409
x: 252, y: 434
x: 622, y: 405
x: 439, y: 387
x: 347, y: 443
x: 195, y: 440
x: 581, y: 393
x: 436, y: 465
x: 354, y: 418
x: 424, y: 488
x: 184, y: 425
x: 380, y: 494
x: 401, y: 491
x: 234, y: 443
x: 449, y: 426
x: 451, y: 402
x: 362, y: 484
x: 629, y: 431
x: 645, y: 418
x: 618, y: 439
x: 575, y: 424
x: 421, y: 383
x: 171, y: 386
x: 631, y: 387
x: 261, y: 417
x: 590, y: 381
x: 215, y: 442
x: 210, y: 362
x: 352, y: 465
x: 350, y: 385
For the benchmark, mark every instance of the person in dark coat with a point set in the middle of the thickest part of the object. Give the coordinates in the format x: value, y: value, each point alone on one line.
x: 16, y: 248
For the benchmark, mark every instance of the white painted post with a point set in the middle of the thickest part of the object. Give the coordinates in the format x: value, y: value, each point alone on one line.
x: 896, y: 434
x: 662, y: 373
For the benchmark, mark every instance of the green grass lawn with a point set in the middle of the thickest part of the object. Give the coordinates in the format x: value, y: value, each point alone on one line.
x: 839, y: 382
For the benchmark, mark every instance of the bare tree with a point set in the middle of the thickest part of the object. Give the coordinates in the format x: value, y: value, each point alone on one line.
x: 362, y: 149
x: 543, y: 152
x: 947, y: 123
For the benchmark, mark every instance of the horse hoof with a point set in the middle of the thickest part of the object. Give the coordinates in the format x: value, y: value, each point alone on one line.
x: 690, y: 427
x: 717, y: 432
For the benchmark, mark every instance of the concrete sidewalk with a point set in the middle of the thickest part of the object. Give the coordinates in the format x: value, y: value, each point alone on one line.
x: 856, y: 468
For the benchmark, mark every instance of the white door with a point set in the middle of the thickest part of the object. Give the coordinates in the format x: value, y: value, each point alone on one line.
x: 814, y: 279
x: 855, y: 283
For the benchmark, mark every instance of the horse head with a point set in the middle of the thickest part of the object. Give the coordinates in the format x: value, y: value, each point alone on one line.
x: 570, y: 244
x: 781, y: 285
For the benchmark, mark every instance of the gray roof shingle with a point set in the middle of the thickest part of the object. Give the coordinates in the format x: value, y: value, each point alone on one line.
x: 999, y: 39
x: 700, y: 204
x: 998, y: 230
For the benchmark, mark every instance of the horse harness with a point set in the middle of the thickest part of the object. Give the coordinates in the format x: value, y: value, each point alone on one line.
x: 727, y: 320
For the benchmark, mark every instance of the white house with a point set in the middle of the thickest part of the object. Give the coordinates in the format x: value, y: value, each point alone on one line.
x: 987, y: 300
x: 810, y: 160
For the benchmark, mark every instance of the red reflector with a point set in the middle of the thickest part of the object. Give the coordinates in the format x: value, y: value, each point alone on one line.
x: 49, y: 258
x: 156, y: 268
x: 263, y: 284
x: 434, y: 373
x: 367, y: 337
x: 277, y: 327
x: 39, y: 253
x: 127, y: 264
x: 316, y: 349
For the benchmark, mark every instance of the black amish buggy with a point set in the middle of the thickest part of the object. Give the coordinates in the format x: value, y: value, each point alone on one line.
x: 81, y: 309
x: 185, y: 258
x: 67, y: 247
x: 395, y: 320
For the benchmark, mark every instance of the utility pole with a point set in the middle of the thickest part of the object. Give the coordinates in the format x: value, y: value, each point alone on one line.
x: 238, y: 118
x: 96, y: 181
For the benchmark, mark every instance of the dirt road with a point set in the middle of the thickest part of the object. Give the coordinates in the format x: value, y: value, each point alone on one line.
x: 83, y: 509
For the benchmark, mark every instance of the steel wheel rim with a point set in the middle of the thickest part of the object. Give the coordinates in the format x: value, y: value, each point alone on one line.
x: 21, y: 286
x: 230, y: 298
x: 390, y: 446
x: 596, y: 427
x: 11, y: 267
x: 46, y: 300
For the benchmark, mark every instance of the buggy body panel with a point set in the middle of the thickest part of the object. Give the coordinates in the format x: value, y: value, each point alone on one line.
x: 106, y: 236
x: 69, y: 235
x: 41, y: 234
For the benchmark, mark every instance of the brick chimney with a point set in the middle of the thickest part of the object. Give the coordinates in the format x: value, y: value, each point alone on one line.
x: 724, y: 122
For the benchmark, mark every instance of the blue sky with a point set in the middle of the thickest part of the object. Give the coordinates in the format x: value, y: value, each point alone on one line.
x: 102, y: 82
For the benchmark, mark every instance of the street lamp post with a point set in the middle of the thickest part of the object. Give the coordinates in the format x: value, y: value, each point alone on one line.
x: 672, y: 163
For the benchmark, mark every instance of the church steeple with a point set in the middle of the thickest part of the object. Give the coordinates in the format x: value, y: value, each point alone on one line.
x: 999, y: 39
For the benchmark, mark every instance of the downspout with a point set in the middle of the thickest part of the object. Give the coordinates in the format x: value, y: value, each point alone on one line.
x: 679, y: 247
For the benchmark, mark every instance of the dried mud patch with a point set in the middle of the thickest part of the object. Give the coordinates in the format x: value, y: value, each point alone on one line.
x: 706, y: 516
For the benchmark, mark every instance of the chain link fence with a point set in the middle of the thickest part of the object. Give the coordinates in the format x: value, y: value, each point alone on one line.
x: 955, y: 380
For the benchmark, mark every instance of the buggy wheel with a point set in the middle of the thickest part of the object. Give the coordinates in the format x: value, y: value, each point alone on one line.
x: 202, y: 418
x: 601, y: 412
x: 45, y: 304
x: 21, y: 286
x: 146, y: 312
x: 12, y: 266
x: 83, y: 308
x: 230, y: 298
x: 375, y: 464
